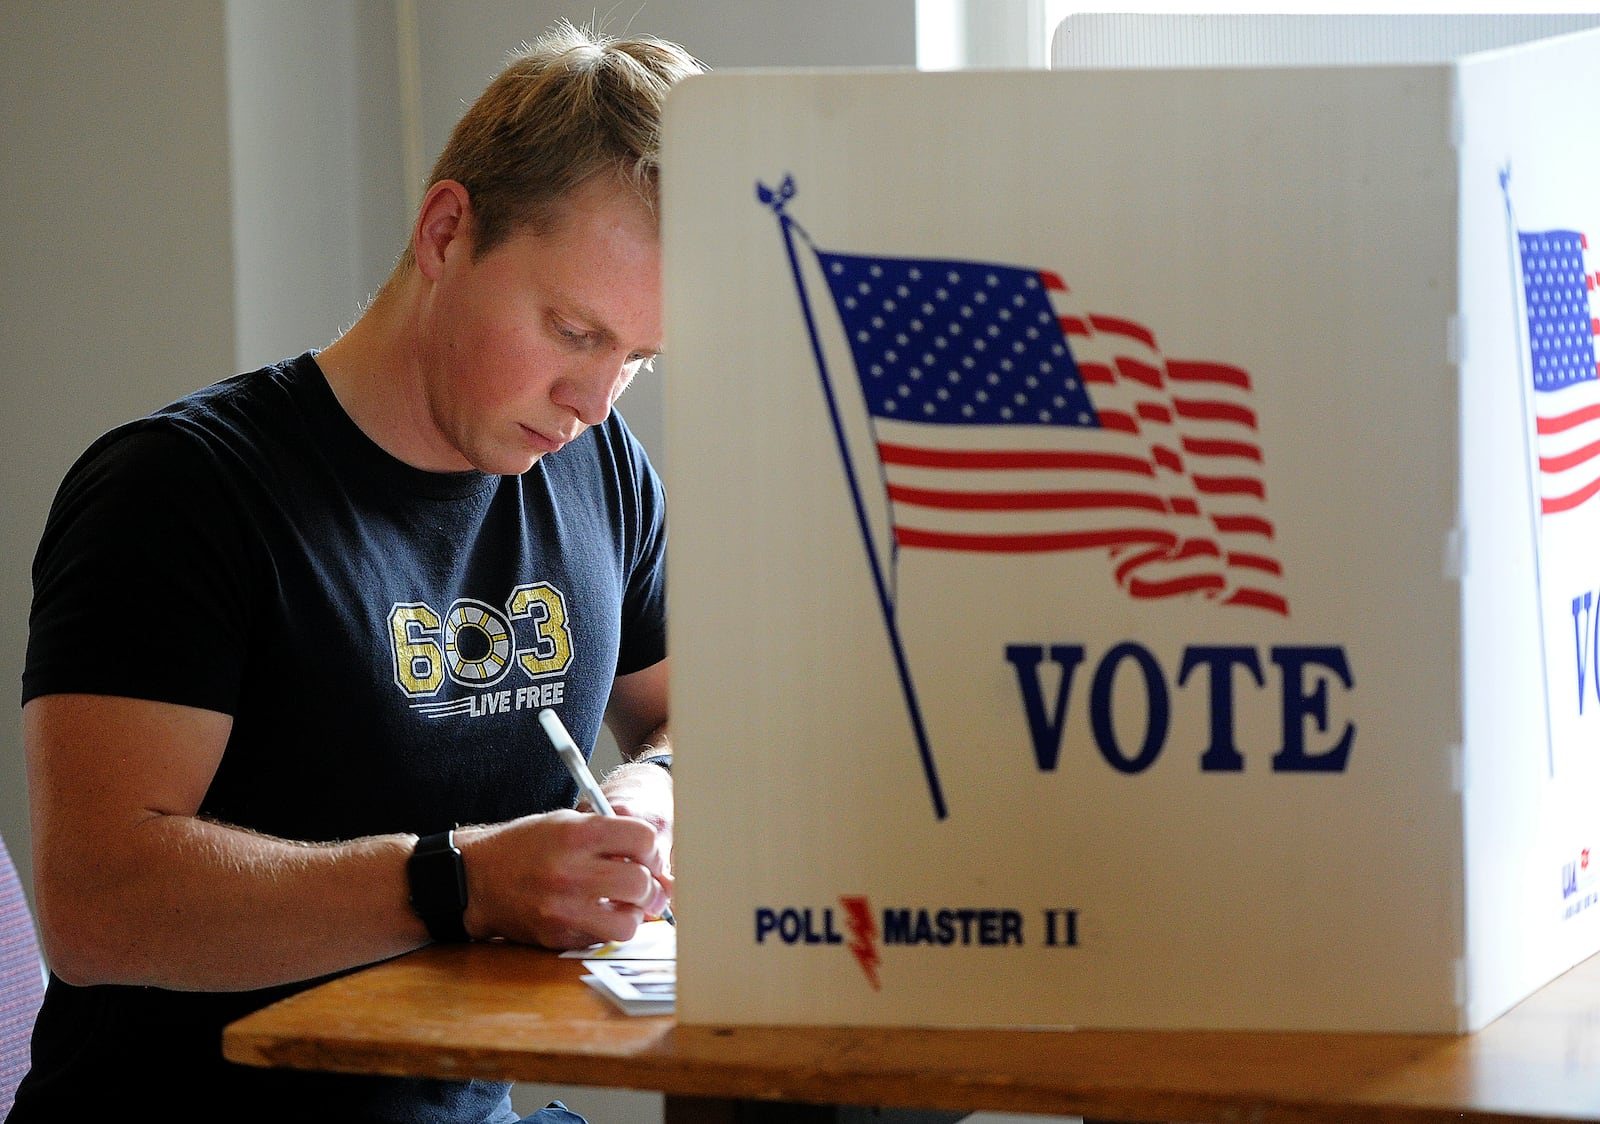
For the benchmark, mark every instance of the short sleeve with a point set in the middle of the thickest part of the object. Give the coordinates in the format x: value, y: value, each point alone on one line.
x: 644, y: 603
x: 141, y: 578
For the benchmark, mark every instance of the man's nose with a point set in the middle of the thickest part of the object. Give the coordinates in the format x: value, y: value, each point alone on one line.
x: 590, y: 392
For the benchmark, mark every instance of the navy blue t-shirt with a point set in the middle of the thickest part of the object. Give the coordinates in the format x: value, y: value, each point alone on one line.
x: 383, y: 637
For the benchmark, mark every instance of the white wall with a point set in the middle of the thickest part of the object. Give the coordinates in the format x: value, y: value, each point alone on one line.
x: 118, y: 289
x: 296, y: 174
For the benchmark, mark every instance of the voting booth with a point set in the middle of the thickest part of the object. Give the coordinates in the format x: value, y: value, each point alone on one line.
x: 1135, y: 557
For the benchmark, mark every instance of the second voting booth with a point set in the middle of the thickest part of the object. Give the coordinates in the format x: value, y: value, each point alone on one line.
x: 1135, y: 555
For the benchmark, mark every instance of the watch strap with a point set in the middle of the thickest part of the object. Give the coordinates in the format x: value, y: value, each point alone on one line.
x: 437, y: 876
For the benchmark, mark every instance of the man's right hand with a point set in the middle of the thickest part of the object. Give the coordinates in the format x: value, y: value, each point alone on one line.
x: 563, y: 879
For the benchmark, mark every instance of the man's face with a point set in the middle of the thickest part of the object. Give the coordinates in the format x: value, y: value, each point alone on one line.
x: 530, y: 345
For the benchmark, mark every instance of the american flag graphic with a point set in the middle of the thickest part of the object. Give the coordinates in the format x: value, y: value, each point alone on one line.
x: 1558, y: 290
x: 1006, y: 419
x: 1009, y: 419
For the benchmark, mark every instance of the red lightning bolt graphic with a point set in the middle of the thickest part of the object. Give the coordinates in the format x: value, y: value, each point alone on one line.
x: 858, y: 915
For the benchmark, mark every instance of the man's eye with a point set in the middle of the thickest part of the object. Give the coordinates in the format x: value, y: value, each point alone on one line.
x: 569, y: 333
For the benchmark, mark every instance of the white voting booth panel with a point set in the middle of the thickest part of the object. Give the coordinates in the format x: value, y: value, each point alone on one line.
x: 1132, y: 559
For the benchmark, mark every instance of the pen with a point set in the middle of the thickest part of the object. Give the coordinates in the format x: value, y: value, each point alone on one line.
x: 572, y: 758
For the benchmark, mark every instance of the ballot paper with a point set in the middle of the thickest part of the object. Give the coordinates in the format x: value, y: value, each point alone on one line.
x: 654, y: 940
x: 635, y: 987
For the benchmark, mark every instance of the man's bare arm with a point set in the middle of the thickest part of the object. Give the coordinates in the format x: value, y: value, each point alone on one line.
x: 134, y: 887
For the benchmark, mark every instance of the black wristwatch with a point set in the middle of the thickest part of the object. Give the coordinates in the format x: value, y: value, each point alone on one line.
x: 438, y: 878
x: 662, y: 759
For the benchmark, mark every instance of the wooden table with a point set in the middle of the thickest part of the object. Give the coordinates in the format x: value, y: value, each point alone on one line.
x: 498, y: 1011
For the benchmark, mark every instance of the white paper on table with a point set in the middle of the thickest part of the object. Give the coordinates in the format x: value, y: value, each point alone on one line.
x: 654, y: 940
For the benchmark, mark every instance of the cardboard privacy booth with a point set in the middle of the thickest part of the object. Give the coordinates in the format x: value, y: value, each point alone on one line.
x: 1134, y: 560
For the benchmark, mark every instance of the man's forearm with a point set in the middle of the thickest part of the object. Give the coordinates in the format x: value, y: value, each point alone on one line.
x: 186, y: 903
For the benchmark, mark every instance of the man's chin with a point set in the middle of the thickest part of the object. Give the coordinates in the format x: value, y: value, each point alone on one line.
x: 513, y: 466
x: 508, y: 460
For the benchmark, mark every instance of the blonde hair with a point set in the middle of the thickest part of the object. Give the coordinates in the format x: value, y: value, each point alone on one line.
x: 572, y: 105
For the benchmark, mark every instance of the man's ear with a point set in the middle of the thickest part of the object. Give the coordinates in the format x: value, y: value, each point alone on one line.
x: 445, y: 217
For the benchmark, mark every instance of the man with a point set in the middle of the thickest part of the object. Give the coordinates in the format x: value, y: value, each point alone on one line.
x: 290, y: 631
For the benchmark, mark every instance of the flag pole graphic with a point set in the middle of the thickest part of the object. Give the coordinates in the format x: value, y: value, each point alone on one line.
x: 882, y: 581
x: 1530, y: 457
